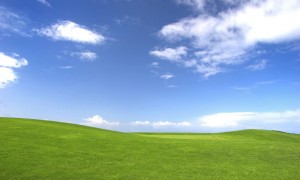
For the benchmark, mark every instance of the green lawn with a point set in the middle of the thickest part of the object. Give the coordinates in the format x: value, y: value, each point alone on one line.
x: 32, y: 149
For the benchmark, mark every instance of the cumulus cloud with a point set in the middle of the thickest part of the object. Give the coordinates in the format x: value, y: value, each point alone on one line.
x: 172, y: 54
x: 7, y: 76
x: 98, y: 121
x: 244, y: 119
x: 70, y: 31
x: 44, y: 2
x: 7, y: 66
x: 85, y: 55
x: 226, y: 38
x: 167, y: 76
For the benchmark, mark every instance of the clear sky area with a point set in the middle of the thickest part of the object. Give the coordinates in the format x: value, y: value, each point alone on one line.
x: 152, y: 65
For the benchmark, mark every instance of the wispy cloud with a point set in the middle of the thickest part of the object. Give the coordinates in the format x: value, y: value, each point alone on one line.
x: 254, y: 86
x: 85, y: 55
x: 11, y: 22
x: 216, y: 41
x: 167, y: 76
x: 45, y: 3
x: 128, y: 20
x: 98, y: 121
x: 7, y: 66
x: 259, y: 65
x: 242, y: 88
x: 70, y: 31
x: 198, y: 4
x: 265, y: 83
x: 172, y: 86
x: 66, y: 67
x: 155, y: 64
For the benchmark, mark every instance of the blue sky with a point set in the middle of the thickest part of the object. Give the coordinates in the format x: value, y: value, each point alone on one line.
x: 135, y: 65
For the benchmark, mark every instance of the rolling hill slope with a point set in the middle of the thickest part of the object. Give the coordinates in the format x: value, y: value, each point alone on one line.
x: 34, y: 149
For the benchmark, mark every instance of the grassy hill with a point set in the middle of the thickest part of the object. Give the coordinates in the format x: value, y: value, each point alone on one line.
x: 32, y: 149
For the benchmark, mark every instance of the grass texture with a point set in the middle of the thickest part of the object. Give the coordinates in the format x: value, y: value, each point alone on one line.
x: 36, y: 149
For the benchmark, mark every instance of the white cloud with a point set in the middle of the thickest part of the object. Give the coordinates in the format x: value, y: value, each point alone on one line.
x: 161, y: 124
x: 260, y: 65
x: 7, y: 76
x: 288, y: 121
x: 85, y: 55
x: 7, y: 66
x: 226, y: 38
x: 98, y: 121
x: 70, y: 31
x: 208, y: 70
x: 184, y: 123
x: 12, y: 62
x: 44, y: 2
x: 140, y: 123
x: 167, y: 76
x: 225, y: 119
x: 244, y: 119
x: 171, y: 54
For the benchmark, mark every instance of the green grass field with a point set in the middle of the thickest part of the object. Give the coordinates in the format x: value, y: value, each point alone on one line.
x: 32, y: 149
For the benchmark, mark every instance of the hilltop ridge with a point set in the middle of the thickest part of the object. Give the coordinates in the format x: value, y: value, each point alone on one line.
x: 37, y: 149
